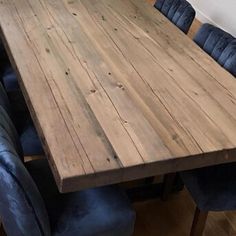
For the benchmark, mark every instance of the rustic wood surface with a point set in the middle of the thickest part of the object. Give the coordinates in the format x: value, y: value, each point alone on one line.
x: 116, y: 91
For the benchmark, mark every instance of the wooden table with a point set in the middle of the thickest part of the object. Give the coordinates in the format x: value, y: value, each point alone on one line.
x: 116, y: 91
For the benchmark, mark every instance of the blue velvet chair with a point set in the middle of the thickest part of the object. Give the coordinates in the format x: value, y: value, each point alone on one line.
x: 30, y: 203
x: 7, y: 75
x: 9, y: 79
x: 179, y: 12
x: 220, y: 45
x: 213, y: 189
x: 28, y: 135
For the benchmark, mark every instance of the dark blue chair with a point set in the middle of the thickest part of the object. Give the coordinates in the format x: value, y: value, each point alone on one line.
x: 7, y: 75
x: 213, y: 189
x: 4, y: 61
x: 9, y: 79
x: 28, y: 136
x: 8, y: 127
x: 179, y: 12
x: 220, y: 45
x: 31, y: 204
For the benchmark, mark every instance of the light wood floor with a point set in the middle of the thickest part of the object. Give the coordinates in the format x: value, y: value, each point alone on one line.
x: 174, y: 218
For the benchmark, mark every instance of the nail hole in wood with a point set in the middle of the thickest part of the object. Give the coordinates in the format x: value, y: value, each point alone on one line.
x: 120, y: 85
x: 175, y: 136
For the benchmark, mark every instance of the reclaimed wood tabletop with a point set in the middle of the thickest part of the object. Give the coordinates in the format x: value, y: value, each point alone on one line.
x: 116, y: 91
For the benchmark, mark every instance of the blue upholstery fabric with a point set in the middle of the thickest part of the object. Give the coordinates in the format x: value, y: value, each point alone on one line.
x: 4, y: 102
x: 28, y: 135
x: 4, y: 61
x: 22, y: 210
x: 9, y: 79
x: 103, y: 211
x: 220, y: 45
x: 212, y: 188
x: 7, y: 75
x: 7, y: 126
x: 179, y: 12
x: 30, y: 141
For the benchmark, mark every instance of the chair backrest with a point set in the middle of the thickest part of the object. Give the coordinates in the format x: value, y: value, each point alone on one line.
x: 22, y: 209
x: 6, y: 120
x: 220, y: 45
x: 179, y: 12
x: 4, y: 101
x: 4, y: 61
x: 9, y: 79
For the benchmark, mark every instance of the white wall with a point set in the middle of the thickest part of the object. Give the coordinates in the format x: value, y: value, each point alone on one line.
x: 219, y: 12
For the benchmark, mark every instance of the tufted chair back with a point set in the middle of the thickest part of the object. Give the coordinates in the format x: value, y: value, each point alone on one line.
x: 22, y: 210
x: 220, y: 45
x: 179, y: 12
x: 7, y: 126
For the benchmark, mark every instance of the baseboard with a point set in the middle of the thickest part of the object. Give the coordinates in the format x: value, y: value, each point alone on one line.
x: 203, y: 18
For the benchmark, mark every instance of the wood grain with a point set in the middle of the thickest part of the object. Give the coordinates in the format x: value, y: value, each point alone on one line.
x: 117, y: 92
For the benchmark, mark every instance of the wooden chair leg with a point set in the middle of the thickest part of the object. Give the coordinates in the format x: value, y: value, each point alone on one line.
x: 2, y: 231
x: 168, y: 183
x: 199, y: 222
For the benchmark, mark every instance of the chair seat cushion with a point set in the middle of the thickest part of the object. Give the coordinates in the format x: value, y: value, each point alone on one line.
x: 212, y: 188
x: 9, y: 79
x: 30, y: 140
x: 103, y: 211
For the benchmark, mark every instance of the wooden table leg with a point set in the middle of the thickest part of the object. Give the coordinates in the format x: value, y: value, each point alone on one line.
x: 199, y: 222
x: 168, y: 183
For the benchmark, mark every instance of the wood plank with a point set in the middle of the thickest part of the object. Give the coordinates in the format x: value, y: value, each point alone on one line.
x: 164, y: 87
x: 53, y: 126
x: 117, y: 92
